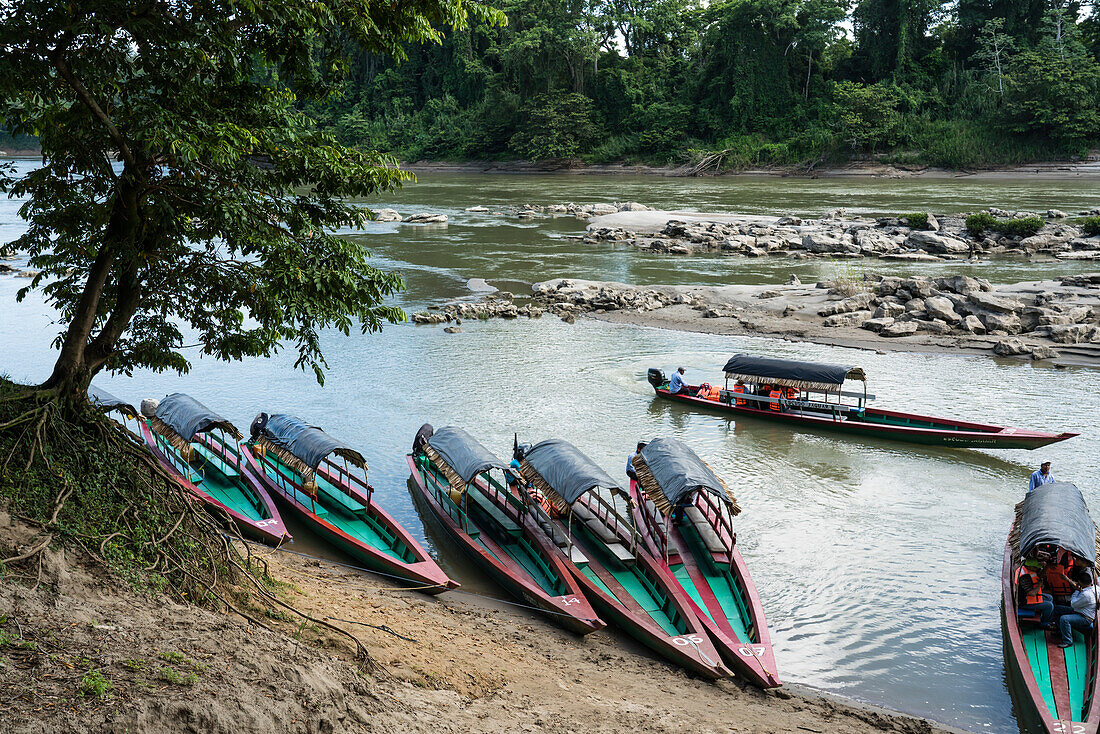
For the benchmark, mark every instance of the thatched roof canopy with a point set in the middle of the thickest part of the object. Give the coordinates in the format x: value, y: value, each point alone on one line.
x: 563, y: 473
x: 670, y: 473
x: 179, y: 418
x: 791, y: 373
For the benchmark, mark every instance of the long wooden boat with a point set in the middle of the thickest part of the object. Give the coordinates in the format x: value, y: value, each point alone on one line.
x: 298, y: 465
x: 453, y: 475
x: 685, y: 514
x: 202, y: 451
x: 602, y: 549
x: 1055, y: 688
x: 812, y: 397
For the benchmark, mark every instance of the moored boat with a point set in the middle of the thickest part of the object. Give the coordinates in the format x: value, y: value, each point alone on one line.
x: 1056, y: 687
x: 202, y: 451
x: 602, y: 549
x: 464, y: 485
x: 324, y: 481
x: 811, y: 395
x: 685, y: 513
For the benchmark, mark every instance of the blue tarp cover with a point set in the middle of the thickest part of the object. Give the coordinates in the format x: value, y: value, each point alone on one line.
x: 790, y: 371
x: 308, y: 443
x: 188, y: 417
x: 1056, y: 513
x: 568, y: 471
x: 100, y: 398
x: 679, y: 470
x: 463, y: 452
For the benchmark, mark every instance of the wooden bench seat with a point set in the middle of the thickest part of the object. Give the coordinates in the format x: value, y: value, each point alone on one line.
x: 490, y: 508
x: 595, y: 524
x: 705, y: 530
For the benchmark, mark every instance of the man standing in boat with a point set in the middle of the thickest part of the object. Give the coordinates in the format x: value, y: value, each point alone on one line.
x: 676, y: 384
x: 1041, y: 477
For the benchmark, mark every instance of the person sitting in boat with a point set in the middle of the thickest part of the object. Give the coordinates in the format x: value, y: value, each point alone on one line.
x: 676, y: 383
x: 1081, y: 614
x: 1029, y: 592
x: 739, y: 389
x: 1057, y: 577
x: 709, y: 392
x: 1041, y: 477
x: 776, y: 393
x: 630, y: 461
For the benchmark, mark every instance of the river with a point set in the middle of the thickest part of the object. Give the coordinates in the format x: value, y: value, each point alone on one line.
x: 878, y: 563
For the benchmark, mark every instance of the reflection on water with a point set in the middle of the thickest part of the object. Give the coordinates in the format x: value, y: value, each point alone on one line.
x: 878, y: 563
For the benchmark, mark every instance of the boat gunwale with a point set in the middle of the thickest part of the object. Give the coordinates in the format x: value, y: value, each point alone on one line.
x: 558, y: 606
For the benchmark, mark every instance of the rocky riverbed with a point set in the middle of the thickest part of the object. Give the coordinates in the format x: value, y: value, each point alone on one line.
x: 1044, y: 320
x: 928, y: 238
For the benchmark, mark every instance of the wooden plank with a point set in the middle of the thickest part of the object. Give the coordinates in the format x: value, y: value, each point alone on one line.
x: 1059, y: 680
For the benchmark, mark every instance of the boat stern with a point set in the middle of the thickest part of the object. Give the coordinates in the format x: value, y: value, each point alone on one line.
x: 577, y: 614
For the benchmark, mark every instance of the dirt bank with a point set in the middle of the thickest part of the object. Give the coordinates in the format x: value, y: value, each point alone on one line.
x: 1050, y: 171
x: 456, y: 663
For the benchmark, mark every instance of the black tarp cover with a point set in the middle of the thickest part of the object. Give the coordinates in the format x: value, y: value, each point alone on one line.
x: 104, y: 400
x: 679, y: 470
x: 1056, y: 513
x: 790, y: 372
x: 309, y: 443
x: 188, y: 417
x: 568, y: 471
x: 463, y: 452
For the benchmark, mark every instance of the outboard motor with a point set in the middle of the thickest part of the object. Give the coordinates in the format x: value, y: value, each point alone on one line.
x: 258, y: 426
x: 149, y: 407
x: 426, y: 431
x: 656, y: 377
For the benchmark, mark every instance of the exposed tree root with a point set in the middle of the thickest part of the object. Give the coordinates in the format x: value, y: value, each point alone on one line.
x: 194, y: 556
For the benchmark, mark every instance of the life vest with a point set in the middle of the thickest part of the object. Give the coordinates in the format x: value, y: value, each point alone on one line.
x: 739, y: 390
x: 793, y: 393
x: 1035, y: 596
x: 539, y: 497
x: 1055, y: 583
x: 708, y: 392
x: 775, y: 394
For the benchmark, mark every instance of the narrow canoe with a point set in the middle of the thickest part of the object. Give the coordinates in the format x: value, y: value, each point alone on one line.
x: 719, y: 588
x: 495, y: 538
x: 1057, y: 688
x: 342, y: 511
x: 628, y: 587
x: 908, y: 427
x: 213, y: 475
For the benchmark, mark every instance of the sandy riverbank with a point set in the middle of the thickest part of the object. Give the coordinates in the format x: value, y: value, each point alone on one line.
x: 456, y: 663
x: 1050, y: 170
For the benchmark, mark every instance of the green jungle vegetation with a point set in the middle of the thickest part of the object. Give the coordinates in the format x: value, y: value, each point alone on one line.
x: 719, y: 85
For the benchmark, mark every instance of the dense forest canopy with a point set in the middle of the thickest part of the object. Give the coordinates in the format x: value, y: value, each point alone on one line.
x: 957, y: 84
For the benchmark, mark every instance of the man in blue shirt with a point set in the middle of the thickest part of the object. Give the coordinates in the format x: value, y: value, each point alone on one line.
x: 630, y: 462
x: 1041, y: 477
x: 676, y: 384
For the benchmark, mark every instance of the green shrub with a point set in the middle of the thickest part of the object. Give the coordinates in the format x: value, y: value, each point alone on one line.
x: 976, y: 224
x: 916, y: 220
x: 94, y: 684
x: 1091, y: 225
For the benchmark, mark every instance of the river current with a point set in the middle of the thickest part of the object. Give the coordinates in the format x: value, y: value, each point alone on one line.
x: 878, y: 563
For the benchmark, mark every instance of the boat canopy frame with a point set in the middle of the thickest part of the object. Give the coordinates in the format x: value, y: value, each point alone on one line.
x: 180, y: 417
x: 461, y: 459
x: 565, y: 476
x: 1054, y: 514
x: 816, y: 376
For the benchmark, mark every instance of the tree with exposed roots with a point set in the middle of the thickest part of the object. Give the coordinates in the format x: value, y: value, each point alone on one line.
x: 182, y: 187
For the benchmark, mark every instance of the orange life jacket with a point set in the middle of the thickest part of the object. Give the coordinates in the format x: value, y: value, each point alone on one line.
x: 712, y: 393
x: 792, y: 393
x: 1035, y: 596
x: 775, y: 394
x: 739, y: 389
x: 539, y: 497
x: 1055, y: 583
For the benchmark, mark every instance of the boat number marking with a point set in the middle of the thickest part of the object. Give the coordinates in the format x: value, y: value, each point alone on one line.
x: 265, y: 523
x: 751, y: 652
x: 684, y: 641
x: 571, y: 600
x: 1069, y: 727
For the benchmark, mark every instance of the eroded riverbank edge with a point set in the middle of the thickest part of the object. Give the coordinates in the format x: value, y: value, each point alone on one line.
x: 454, y: 663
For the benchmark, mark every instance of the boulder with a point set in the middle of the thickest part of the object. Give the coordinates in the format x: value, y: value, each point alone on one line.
x: 1011, y: 347
x: 934, y: 326
x: 601, y: 209
x: 889, y: 310
x: 425, y: 218
x: 1008, y: 323
x: 933, y: 223
x: 914, y: 305
x: 851, y: 318
x: 932, y: 242
x: 961, y: 284
x: 1044, y: 352
x: 1056, y: 214
x: 386, y: 215
x: 855, y: 303
x: 789, y: 222
x: 994, y: 303
x: 822, y: 242
x: 939, y: 307
x: 912, y: 257
x: 877, y: 324
x: 793, y: 280
x: 633, y: 206
x: 973, y: 325
x: 900, y: 328
x: 452, y: 329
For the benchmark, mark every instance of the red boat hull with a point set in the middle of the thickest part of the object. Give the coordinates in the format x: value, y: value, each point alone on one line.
x: 271, y: 530
x: 755, y: 661
x: 424, y: 572
x: 961, y: 435
x: 571, y: 610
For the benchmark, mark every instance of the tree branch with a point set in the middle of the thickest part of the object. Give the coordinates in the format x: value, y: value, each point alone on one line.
x: 66, y: 72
